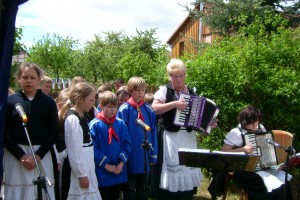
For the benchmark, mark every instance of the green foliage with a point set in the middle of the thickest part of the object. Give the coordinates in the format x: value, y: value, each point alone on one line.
x: 18, y: 46
x: 56, y: 55
x: 221, y: 17
x: 254, y: 67
x: 103, y: 59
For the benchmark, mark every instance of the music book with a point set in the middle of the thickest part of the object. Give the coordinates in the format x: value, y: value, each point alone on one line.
x: 217, y: 160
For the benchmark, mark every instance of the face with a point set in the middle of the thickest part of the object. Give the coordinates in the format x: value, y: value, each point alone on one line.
x: 123, y: 98
x: 177, y: 79
x: 109, y: 110
x: 29, y: 81
x: 138, y: 94
x: 253, y: 126
x: 46, y: 88
x: 117, y: 86
x: 87, y: 103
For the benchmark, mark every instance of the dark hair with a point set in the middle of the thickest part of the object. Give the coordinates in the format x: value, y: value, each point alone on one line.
x: 249, y: 115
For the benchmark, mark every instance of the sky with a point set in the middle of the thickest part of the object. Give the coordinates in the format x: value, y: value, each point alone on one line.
x: 82, y: 19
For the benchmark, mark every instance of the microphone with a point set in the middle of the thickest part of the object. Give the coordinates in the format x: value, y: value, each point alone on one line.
x: 269, y: 141
x: 142, y: 124
x: 21, y: 112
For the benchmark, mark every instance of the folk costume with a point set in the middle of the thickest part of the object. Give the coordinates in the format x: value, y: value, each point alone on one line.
x: 111, y: 145
x: 42, y: 127
x: 137, y: 170
x: 79, y: 161
x: 176, y: 181
x: 263, y: 184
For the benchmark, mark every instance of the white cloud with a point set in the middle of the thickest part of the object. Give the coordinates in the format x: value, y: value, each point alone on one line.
x: 82, y: 19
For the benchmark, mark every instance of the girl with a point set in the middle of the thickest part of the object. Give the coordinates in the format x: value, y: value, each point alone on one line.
x: 19, y: 166
x: 78, y: 171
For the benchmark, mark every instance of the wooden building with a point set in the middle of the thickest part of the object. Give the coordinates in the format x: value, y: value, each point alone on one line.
x: 189, y: 33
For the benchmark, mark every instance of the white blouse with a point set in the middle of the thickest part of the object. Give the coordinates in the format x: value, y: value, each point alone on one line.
x: 235, y: 138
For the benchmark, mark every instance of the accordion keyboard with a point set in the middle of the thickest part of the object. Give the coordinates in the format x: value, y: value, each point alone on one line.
x: 181, y: 115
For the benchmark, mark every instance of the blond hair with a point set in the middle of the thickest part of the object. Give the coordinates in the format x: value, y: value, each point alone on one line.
x: 77, y: 92
x: 149, y: 97
x: 176, y: 65
x: 108, y: 97
x: 136, y: 82
x: 45, y: 79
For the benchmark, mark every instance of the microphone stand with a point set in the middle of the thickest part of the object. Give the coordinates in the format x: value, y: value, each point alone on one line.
x: 289, y: 151
x: 146, y: 146
x: 40, y: 182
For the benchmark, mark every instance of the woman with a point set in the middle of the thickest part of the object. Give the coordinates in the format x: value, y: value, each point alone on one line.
x: 176, y: 181
x: 263, y: 184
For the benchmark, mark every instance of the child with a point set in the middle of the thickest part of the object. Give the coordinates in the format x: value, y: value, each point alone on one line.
x: 102, y: 88
x: 148, y: 98
x: 111, y: 148
x: 42, y: 126
x: 118, y: 83
x: 140, y: 159
x: 79, y: 180
x: 123, y: 95
x: 46, y: 85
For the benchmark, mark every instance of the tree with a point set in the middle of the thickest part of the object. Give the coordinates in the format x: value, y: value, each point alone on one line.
x: 119, y: 56
x: 221, y: 16
x: 56, y: 55
x: 255, y: 68
x: 18, y: 46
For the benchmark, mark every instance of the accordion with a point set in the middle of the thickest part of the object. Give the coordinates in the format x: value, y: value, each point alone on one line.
x: 199, y: 114
x: 261, y: 148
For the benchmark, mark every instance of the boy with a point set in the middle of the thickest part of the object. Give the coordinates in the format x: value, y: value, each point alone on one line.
x: 144, y: 149
x: 111, y: 148
x: 46, y: 85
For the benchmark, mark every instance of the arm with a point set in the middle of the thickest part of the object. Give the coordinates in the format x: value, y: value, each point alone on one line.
x: 248, y: 149
x: 100, y: 159
x: 126, y: 145
x: 233, y: 142
x: 161, y: 107
x: 52, y: 130
x: 74, y: 142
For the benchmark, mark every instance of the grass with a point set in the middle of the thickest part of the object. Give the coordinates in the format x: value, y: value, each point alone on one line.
x: 203, y: 194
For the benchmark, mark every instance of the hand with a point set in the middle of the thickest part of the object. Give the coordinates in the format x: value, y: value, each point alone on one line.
x: 214, y: 124
x: 248, y: 148
x: 119, y: 168
x: 110, y: 168
x: 179, y: 104
x: 28, y: 161
x: 84, y: 182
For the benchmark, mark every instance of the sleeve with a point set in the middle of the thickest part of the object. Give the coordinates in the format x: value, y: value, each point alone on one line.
x: 9, y: 142
x: 52, y: 130
x: 123, y: 113
x: 154, y: 149
x: 234, y: 138
x: 126, y: 145
x: 96, y: 131
x: 74, y: 142
x: 161, y: 94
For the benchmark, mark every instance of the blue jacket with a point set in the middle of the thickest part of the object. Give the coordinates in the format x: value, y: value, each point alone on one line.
x: 129, y: 114
x: 112, y: 153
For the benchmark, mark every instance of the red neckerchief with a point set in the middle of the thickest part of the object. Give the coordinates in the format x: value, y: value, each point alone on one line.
x: 137, y: 106
x: 111, y: 130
